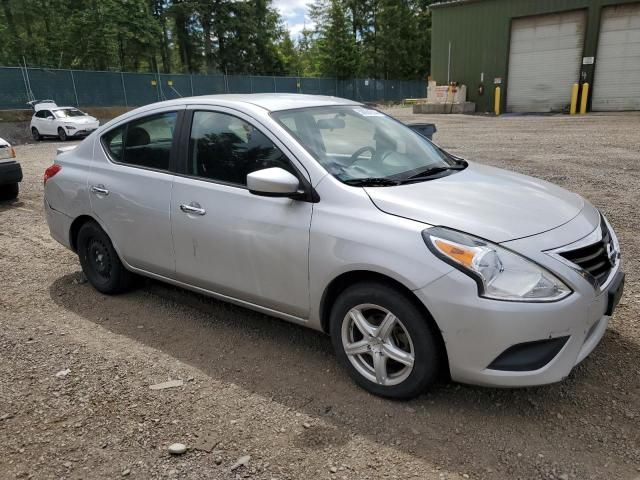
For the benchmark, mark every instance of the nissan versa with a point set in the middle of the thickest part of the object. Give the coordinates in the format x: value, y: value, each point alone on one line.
x: 330, y: 214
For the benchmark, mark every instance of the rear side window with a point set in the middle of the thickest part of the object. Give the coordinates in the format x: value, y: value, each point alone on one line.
x: 145, y: 142
x: 225, y: 148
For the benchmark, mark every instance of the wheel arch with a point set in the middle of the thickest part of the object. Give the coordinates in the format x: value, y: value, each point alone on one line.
x: 347, y: 279
x: 75, y: 228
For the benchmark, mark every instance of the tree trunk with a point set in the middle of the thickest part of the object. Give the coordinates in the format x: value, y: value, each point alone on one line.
x: 208, y: 44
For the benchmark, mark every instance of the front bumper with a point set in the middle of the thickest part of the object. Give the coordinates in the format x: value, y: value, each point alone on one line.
x: 507, y: 344
x: 476, y: 331
x: 10, y: 172
x: 81, y: 132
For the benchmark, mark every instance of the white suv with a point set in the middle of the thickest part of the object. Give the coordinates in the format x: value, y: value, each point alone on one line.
x: 63, y: 122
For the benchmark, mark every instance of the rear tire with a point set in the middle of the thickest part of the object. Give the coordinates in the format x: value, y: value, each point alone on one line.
x: 62, y: 135
x: 35, y: 134
x: 100, y: 262
x: 398, y: 362
x: 9, y: 192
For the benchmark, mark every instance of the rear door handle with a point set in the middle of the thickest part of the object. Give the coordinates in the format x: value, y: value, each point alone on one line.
x: 99, y: 189
x: 193, y: 208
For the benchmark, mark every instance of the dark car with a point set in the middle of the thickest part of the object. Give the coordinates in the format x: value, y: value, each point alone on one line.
x: 10, y: 172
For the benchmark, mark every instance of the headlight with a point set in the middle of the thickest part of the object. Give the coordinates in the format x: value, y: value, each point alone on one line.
x: 70, y: 127
x: 499, y: 273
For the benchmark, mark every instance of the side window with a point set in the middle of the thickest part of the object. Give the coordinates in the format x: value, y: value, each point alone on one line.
x: 112, y: 141
x: 145, y: 142
x: 40, y: 114
x: 224, y: 148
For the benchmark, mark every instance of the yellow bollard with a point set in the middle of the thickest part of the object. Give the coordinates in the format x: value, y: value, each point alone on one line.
x: 574, y: 98
x: 496, y: 103
x: 583, y: 100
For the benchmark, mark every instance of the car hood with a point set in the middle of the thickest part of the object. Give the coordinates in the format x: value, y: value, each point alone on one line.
x: 488, y: 202
x: 80, y: 120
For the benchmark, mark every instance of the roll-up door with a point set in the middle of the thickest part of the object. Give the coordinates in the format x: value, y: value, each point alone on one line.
x: 544, y: 61
x: 616, y: 85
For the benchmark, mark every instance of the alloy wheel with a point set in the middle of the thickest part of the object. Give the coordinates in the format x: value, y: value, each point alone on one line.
x: 377, y: 344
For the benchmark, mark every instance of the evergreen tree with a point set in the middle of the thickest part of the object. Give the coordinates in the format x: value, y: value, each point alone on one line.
x: 365, y: 38
x: 337, y: 49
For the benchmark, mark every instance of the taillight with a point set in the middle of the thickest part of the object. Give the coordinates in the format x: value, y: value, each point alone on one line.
x: 51, y: 171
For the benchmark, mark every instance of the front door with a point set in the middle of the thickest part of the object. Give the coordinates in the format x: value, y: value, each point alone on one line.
x: 130, y: 186
x: 228, y: 240
x: 47, y: 124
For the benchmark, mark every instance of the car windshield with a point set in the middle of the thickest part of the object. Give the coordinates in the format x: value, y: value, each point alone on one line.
x: 68, y: 112
x: 356, y: 143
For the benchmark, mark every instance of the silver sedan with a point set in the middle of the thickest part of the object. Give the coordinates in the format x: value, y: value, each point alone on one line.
x: 330, y: 214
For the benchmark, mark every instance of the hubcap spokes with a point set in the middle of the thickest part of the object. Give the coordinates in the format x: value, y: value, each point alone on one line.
x: 377, y: 344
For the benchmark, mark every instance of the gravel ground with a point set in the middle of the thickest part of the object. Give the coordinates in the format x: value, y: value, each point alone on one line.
x: 257, y: 386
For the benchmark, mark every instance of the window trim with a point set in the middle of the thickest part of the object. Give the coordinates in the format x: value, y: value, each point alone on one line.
x: 173, y: 153
x: 305, y: 184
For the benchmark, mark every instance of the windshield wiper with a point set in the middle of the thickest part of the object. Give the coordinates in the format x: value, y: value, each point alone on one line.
x: 371, y: 182
x: 429, y: 172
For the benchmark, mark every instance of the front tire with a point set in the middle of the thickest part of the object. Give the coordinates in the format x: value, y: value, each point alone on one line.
x: 9, y: 192
x: 100, y: 262
x: 35, y: 134
x: 384, y: 341
x: 62, y: 135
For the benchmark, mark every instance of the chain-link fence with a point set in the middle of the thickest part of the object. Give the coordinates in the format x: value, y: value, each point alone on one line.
x: 108, y: 89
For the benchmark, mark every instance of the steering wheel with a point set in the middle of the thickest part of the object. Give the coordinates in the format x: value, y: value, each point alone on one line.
x: 356, y: 155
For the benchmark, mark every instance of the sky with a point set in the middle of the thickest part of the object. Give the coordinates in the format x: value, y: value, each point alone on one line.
x: 293, y: 13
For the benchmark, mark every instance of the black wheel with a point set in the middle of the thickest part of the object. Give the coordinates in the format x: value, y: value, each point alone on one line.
x: 384, y: 340
x: 9, y: 192
x: 100, y: 262
x: 62, y: 135
x: 35, y: 134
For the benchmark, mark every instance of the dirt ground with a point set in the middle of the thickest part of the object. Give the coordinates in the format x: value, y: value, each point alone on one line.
x: 257, y: 386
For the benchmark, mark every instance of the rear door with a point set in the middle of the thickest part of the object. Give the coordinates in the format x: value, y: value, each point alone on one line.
x: 130, y: 186
x: 241, y: 245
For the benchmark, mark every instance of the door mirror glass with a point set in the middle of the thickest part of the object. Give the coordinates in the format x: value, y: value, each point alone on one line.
x: 272, y: 182
x: 50, y: 117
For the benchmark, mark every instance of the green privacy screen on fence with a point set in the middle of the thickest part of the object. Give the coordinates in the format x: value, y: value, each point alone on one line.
x: 109, y: 89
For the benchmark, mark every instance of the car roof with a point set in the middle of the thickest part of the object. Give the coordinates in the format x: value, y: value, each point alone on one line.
x: 268, y: 101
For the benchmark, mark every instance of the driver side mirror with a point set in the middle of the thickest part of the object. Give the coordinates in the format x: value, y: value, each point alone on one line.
x: 273, y: 182
x: 49, y: 117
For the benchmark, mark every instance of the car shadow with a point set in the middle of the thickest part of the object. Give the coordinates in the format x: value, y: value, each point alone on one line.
x: 452, y: 425
x: 8, y: 204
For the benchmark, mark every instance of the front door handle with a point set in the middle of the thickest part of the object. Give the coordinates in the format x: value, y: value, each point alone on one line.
x: 99, y: 189
x: 193, y: 208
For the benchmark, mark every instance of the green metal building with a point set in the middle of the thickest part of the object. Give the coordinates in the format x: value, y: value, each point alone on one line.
x: 535, y: 50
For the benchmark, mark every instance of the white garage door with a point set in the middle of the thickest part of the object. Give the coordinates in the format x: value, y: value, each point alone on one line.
x: 544, y: 61
x: 616, y: 85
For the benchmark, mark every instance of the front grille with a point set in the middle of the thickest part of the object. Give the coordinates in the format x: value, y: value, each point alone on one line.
x: 595, y: 258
